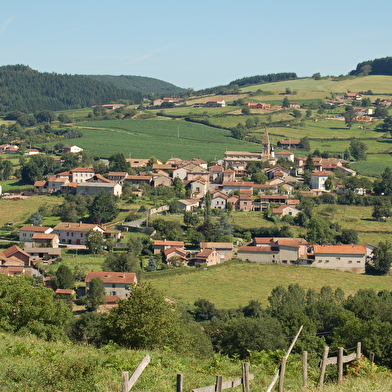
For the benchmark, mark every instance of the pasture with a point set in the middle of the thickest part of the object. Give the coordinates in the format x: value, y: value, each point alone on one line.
x: 233, y: 284
x: 19, y: 210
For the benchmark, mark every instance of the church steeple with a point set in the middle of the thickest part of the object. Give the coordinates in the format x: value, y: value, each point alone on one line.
x: 266, y: 147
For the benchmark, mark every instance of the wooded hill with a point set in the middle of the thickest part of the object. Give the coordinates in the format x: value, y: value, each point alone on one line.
x: 382, y: 66
x: 142, y: 84
x: 24, y: 89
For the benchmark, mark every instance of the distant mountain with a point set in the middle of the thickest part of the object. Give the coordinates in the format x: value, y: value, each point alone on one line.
x: 381, y: 66
x: 24, y: 89
x: 143, y: 84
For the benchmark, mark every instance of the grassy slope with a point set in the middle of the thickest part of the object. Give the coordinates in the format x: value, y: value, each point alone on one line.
x: 32, y: 365
x: 233, y: 284
x: 144, y: 138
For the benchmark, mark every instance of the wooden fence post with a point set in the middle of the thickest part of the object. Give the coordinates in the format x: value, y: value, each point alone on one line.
x: 245, y: 377
x: 282, y: 373
x: 305, y: 369
x: 340, y: 364
x: 219, y: 382
x: 371, y: 357
x: 179, y: 383
x: 359, y: 350
x: 272, y: 384
x: 125, y: 378
x: 323, y: 366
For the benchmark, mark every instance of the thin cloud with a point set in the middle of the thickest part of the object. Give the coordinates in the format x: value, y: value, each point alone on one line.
x: 4, y: 25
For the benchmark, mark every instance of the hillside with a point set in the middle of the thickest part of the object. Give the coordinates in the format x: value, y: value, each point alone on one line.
x: 24, y: 89
x: 142, y: 84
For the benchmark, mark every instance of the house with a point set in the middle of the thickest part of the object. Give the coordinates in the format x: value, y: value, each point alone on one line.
x: 137, y: 163
x: 232, y: 186
x: 94, y: 188
x: 80, y: 174
x: 318, y: 180
x: 288, y: 156
x: 45, y: 255
x: 115, y: 283
x: 285, y: 210
x: 26, y: 232
x: 15, y: 261
x: 216, y: 173
x: 175, y: 253
x: 275, y: 250
x: 73, y: 149
x: 341, y: 257
x: 32, y: 151
x: 206, y: 257
x: 112, y: 106
x: 225, y: 249
x: 215, y: 104
x: 354, y: 96
x: 75, y: 233
x: 188, y: 204
x: 45, y: 240
x: 218, y: 200
x: 294, y: 105
x: 245, y: 202
x: 118, y: 177
x: 137, y: 180
x: 289, y: 144
x: 162, y: 245
x: 162, y: 180
x: 258, y: 105
x: 198, y: 187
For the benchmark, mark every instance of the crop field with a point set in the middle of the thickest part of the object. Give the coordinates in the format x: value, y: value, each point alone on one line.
x: 234, y: 284
x: 160, y: 138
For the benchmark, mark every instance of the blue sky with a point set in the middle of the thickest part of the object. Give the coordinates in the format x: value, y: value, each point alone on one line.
x: 194, y: 44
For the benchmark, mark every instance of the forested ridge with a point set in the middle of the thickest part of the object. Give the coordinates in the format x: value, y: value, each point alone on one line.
x: 381, y: 66
x: 24, y: 89
x: 143, y: 84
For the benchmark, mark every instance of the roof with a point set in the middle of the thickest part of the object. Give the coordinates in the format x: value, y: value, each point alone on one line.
x: 216, y: 245
x: 73, y: 226
x: 117, y: 174
x: 44, y: 236
x: 12, y: 250
x: 262, y: 240
x: 257, y: 249
x: 65, y: 291
x: 112, y: 277
x: 98, y: 184
x: 321, y: 174
x: 174, y: 249
x: 349, y: 249
x: 284, y: 153
x: 36, y: 229
x: 81, y: 169
x: 168, y: 243
x: 205, y: 253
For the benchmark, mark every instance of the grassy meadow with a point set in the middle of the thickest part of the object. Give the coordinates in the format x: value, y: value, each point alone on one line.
x: 234, y: 284
x: 19, y: 210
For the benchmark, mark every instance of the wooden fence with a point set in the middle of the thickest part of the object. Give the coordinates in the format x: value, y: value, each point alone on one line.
x: 220, y: 385
x: 340, y: 360
x: 128, y: 383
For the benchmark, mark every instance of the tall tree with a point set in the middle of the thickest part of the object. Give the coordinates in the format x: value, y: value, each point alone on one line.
x: 94, y: 241
x: 65, y: 278
x: 358, y: 150
x: 381, y: 259
x: 104, y: 207
x: 349, y: 116
x: 118, y: 163
x: 96, y: 294
x: 145, y: 320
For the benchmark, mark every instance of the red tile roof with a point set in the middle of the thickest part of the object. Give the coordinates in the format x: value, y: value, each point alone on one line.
x: 257, y: 249
x: 36, y: 229
x: 340, y: 249
x: 112, y: 277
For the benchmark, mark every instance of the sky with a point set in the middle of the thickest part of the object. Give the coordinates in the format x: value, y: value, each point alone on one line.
x: 196, y: 44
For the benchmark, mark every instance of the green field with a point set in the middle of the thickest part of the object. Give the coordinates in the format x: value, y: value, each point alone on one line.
x: 379, y: 84
x: 161, y: 138
x: 233, y: 284
x: 19, y: 210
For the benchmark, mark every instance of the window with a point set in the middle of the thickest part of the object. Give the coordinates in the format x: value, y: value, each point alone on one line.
x: 284, y: 261
x: 113, y: 293
x: 358, y: 261
x: 81, y: 234
x: 350, y: 261
x: 327, y: 261
x: 67, y: 233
